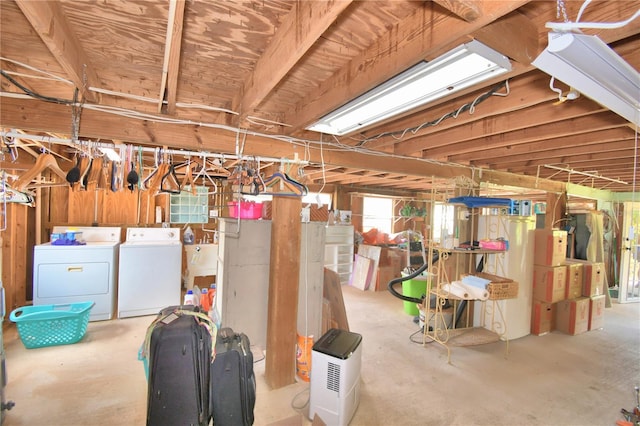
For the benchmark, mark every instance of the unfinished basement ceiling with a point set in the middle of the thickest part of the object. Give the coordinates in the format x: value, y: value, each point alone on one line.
x: 201, y: 70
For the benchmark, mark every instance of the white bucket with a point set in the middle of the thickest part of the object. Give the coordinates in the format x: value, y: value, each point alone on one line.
x: 443, y: 320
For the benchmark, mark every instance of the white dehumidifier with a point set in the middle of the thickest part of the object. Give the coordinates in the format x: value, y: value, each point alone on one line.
x: 335, y: 377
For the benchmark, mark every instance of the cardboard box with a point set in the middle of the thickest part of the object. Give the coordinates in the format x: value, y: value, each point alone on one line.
x: 572, y: 316
x: 592, y: 277
x: 550, y: 247
x: 574, y: 280
x: 596, y: 312
x: 392, y: 256
x: 549, y: 283
x: 542, y: 317
x: 593, y: 281
x: 386, y: 274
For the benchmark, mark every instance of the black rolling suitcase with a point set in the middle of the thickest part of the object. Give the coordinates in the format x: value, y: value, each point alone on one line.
x: 233, y: 383
x: 179, y: 353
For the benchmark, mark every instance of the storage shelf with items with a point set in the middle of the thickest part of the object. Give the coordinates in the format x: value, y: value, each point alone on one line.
x: 492, y: 327
x: 478, y: 244
x: 339, y: 248
x: 187, y: 207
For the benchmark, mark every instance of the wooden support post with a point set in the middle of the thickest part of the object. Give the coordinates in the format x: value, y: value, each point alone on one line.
x: 556, y: 210
x: 14, y: 256
x: 283, y: 291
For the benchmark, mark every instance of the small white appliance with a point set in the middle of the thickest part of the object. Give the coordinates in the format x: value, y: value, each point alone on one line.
x: 78, y: 273
x: 149, y: 275
x: 335, y: 377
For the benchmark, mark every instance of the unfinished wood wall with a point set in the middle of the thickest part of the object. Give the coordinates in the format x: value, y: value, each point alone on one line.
x: 63, y: 206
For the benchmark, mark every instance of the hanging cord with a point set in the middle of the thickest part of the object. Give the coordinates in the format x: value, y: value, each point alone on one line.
x: 36, y: 95
x: 76, y: 110
x: 568, y: 26
x: 399, y: 134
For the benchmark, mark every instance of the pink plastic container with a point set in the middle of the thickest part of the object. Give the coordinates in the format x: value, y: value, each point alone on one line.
x: 493, y: 244
x: 248, y: 209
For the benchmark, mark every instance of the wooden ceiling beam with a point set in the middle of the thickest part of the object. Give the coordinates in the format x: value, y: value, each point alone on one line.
x: 513, y: 35
x: 538, y: 115
x: 171, y: 63
x: 48, y: 20
x: 606, y: 158
x: 613, y: 149
x: 532, y: 89
x: 599, y: 161
x: 543, y: 146
x: 299, y: 31
x: 522, y: 181
x: 418, y: 38
x: 572, y: 126
x: 467, y: 10
x: 33, y: 115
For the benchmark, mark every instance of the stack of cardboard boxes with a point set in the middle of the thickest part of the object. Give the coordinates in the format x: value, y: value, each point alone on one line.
x: 567, y: 293
x: 592, y: 280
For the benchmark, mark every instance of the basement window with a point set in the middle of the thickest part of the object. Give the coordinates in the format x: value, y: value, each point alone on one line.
x: 377, y: 212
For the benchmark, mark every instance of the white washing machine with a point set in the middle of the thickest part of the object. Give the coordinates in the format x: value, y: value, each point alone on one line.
x: 149, y: 275
x: 79, y: 273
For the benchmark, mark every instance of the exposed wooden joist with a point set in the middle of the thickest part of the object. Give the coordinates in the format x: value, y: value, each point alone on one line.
x: 302, y: 27
x: 542, y: 147
x: 419, y: 36
x: 601, y: 161
x: 531, y: 89
x: 49, y: 21
x: 620, y: 149
x: 171, y: 64
x: 513, y: 35
x: 505, y: 178
x: 539, y: 115
x: 51, y: 117
x: 467, y: 10
x: 601, y: 121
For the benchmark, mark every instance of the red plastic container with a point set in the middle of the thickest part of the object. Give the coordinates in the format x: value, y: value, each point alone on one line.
x: 248, y: 209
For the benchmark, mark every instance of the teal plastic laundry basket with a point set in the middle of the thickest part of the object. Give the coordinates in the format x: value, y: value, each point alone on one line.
x: 50, y: 325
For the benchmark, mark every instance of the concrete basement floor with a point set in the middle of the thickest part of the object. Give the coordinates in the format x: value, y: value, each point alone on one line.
x: 553, y: 379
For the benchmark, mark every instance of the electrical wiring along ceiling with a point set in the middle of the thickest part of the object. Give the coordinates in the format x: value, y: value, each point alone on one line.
x: 242, y: 78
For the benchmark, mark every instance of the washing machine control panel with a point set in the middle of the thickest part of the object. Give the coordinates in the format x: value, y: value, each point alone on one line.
x: 146, y: 235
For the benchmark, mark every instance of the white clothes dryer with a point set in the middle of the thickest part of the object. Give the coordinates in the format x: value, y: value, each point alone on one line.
x: 79, y: 273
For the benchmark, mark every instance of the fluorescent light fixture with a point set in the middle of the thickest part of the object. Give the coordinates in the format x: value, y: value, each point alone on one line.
x: 457, y: 69
x: 111, y: 154
x: 588, y: 65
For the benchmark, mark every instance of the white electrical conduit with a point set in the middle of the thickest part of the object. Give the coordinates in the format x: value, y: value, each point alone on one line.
x: 52, y: 76
x: 153, y: 101
x: 96, y: 144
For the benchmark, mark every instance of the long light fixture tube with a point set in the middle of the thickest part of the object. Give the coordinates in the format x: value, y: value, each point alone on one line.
x: 425, y: 82
x: 587, y: 64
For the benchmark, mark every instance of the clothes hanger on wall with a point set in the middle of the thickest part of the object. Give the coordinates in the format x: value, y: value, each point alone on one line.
x: 43, y: 162
x: 288, y: 186
x: 169, y: 182
x: 187, y: 179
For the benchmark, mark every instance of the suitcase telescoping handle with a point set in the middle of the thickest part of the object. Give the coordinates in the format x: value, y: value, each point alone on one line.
x: 203, y: 319
x: 227, y: 337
